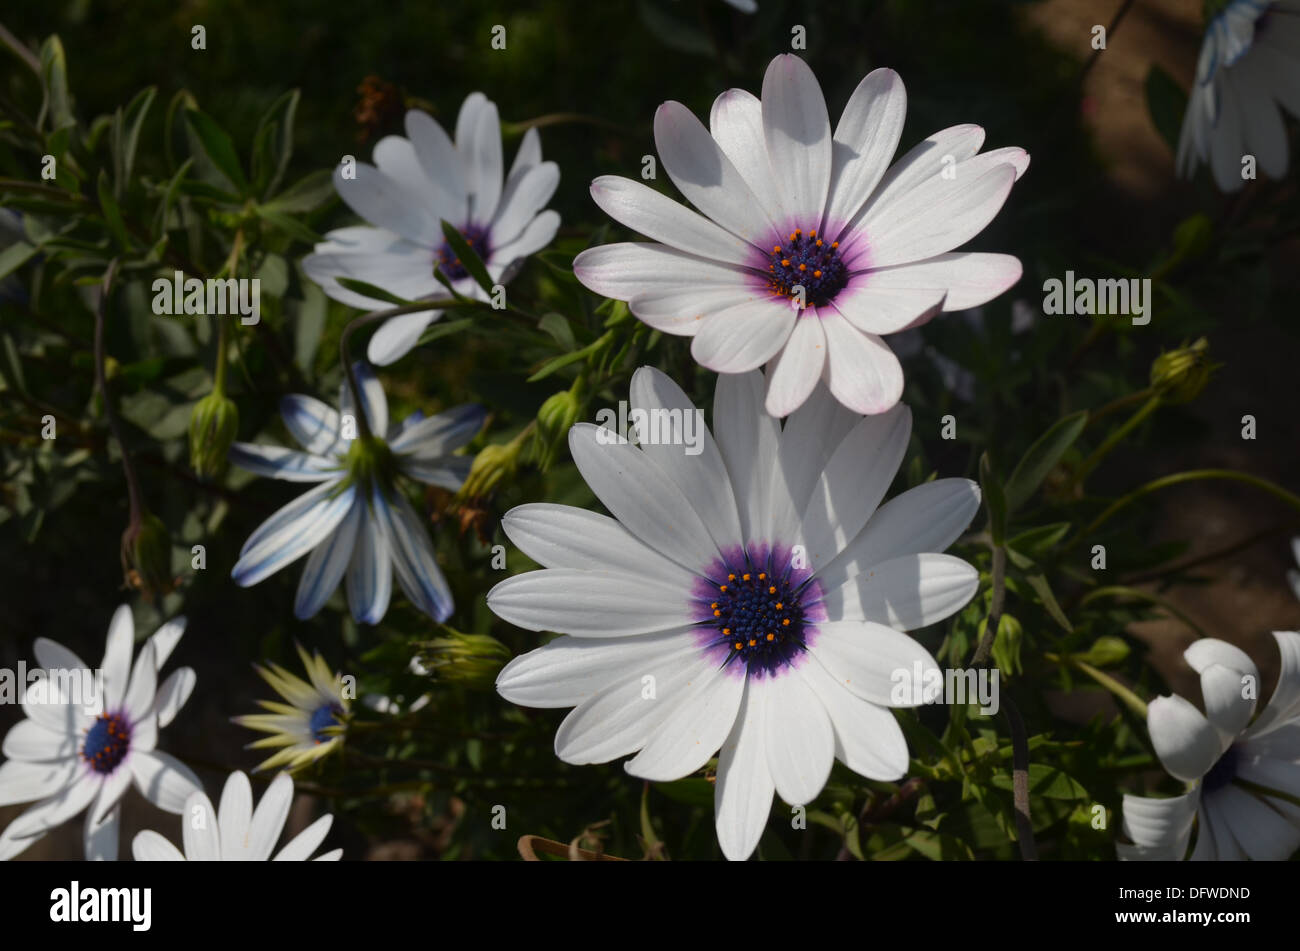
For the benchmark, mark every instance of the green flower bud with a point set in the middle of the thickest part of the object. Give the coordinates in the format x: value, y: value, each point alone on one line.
x: 147, y: 557
x: 490, y: 466
x: 554, y: 420
x: 1180, y: 375
x: 213, y: 427
x: 1105, y: 651
x: 473, y: 660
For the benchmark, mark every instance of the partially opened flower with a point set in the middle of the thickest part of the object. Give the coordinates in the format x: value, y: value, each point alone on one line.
x: 749, y: 597
x: 356, y: 522
x: 85, y: 739
x: 236, y: 832
x: 418, y: 182
x: 311, y: 725
x: 809, y: 247
x: 1248, y: 72
x: 1244, y: 776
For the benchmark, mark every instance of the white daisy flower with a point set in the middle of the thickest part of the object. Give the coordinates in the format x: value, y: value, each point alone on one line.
x: 71, y: 755
x: 1245, y: 777
x: 810, y: 247
x: 356, y: 521
x: 307, y: 728
x: 415, y: 184
x: 750, y: 597
x: 1248, y: 71
x: 236, y: 832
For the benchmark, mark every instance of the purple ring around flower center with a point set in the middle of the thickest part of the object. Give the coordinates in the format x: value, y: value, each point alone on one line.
x: 756, y: 610
x: 1222, y: 772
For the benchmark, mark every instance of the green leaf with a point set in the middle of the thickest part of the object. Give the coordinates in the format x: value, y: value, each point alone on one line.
x: 991, y: 489
x: 469, y: 258
x: 559, y: 330
x: 306, y: 194
x: 370, y: 290
x: 280, y: 118
x: 181, y: 100
x: 126, y: 138
x: 1167, y: 104
x: 13, y: 369
x: 289, y: 225
x: 1006, y: 645
x: 54, y: 75
x: 112, y: 213
x: 15, y: 256
x: 444, y: 329
x: 1033, y: 575
x: 692, y: 791
x: 1042, y: 457
x: 169, y: 196
x: 218, y: 147
x: 1046, y: 782
x: 936, y: 846
x: 1040, y: 539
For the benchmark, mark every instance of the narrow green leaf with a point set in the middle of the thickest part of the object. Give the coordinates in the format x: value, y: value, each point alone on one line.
x: 126, y: 138
x: 1167, y: 104
x: 469, y: 258
x: 15, y: 256
x: 112, y: 213
x: 218, y: 147
x: 279, y: 116
x: 445, y: 328
x: 289, y: 225
x: 1042, y: 457
x: 54, y: 74
x: 1046, y: 782
x: 370, y: 290
x: 558, y: 328
x: 306, y: 194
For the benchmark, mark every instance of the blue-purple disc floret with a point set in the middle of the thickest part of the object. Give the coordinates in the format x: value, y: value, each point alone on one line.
x: 757, y: 611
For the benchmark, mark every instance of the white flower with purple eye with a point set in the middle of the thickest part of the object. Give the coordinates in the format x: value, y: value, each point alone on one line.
x: 1245, y: 794
x: 750, y: 597
x: 417, y: 183
x: 356, y: 522
x: 1248, y: 71
x: 80, y: 752
x: 810, y: 247
x: 237, y: 832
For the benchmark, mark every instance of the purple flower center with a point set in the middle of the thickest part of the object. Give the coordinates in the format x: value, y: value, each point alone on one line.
x: 107, y: 742
x: 451, y: 266
x: 806, y: 261
x: 1222, y: 772
x: 325, y: 717
x: 758, y: 612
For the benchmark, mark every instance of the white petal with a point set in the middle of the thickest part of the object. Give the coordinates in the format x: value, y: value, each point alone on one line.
x: 370, y: 574
x: 883, y: 310
x: 866, y: 138
x: 736, y: 124
x: 749, y: 440
x: 278, y: 462
x: 1264, y: 836
x: 798, y: 367
x: 101, y: 839
x: 234, y: 816
x: 970, y: 278
x: 25, y: 781
x: 873, y: 661
x: 868, y: 740
x: 34, y: 742
x: 622, y: 271
x: 441, y: 162
x: 397, y: 337
x: 696, y: 724
x: 638, y: 493
x: 561, y: 536
x: 680, y: 444
x: 864, y: 374
x: 289, y: 543
x: 478, y: 140
x: 704, y: 174
x: 681, y: 310
x: 744, y: 788
x: 589, y: 603
x: 743, y: 337
x: 200, y: 833
x: 413, y: 559
x: 937, y: 216
x: 57, y: 809
x: 622, y: 717
x: 149, y: 846
x: 165, y: 639
x: 383, y: 202
x: 852, y: 483
x: 301, y: 846
x: 143, y: 688
x: 54, y: 656
x: 1284, y: 704
x: 117, y: 656
x: 797, y: 131
x: 1161, y: 823
x: 1183, y: 739
x: 163, y: 779
x: 396, y: 157
x: 440, y: 434
x: 1226, y: 705
x: 111, y: 790
x: 173, y: 693
x: 927, y: 518
x: 328, y: 562
x: 372, y: 395
x: 923, y: 162
x: 800, y: 739
x: 284, y: 517
x: 907, y: 592
x: 539, y: 233
x: 657, y: 216
x: 570, y: 670
x: 811, y: 436
x: 523, y: 201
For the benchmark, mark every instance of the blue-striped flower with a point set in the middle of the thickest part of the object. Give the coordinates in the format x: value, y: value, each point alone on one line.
x: 356, y: 521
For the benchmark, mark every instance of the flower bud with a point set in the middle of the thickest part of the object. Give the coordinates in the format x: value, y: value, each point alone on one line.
x: 490, y: 466
x: 554, y: 420
x: 1180, y: 375
x: 473, y: 660
x: 213, y: 427
x: 147, y: 557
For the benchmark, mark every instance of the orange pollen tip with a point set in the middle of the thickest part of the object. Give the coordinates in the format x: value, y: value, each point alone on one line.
x: 746, y: 577
x: 779, y: 606
x: 835, y: 244
x: 776, y: 249
x: 771, y: 590
x: 717, y: 614
x: 785, y: 622
x: 726, y: 630
x: 791, y: 235
x: 798, y: 231
x: 723, y: 588
x: 819, y: 242
x: 817, y: 273
x: 803, y: 267
x: 739, y: 645
x: 731, y: 577
x: 762, y: 576
x: 714, y: 605
x: 753, y: 641
x: 785, y: 262
x: 771, y: 637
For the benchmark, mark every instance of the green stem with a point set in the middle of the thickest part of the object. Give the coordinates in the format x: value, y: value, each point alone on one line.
x: 1116, y: 435
x: 1129, y: 698
x: 985, y: 648
x: 1126, y: 592
x: 363, y: 424
x: 1192, y: 475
